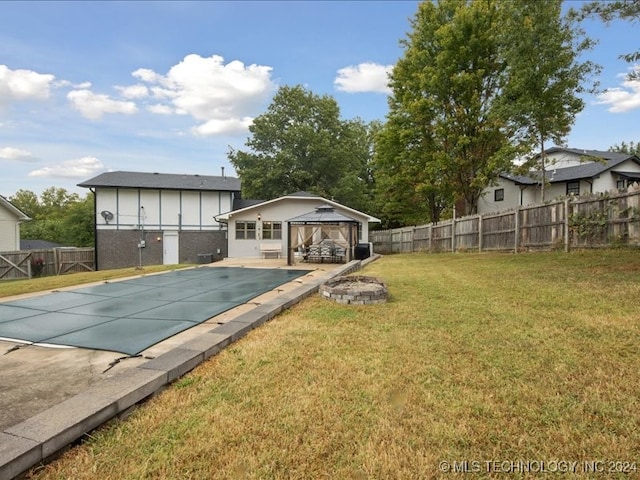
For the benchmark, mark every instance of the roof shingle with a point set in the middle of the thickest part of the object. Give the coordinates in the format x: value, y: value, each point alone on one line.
x: 165, y: 181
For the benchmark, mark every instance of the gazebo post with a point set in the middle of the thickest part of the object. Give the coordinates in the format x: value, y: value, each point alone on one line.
x: 289, y: 243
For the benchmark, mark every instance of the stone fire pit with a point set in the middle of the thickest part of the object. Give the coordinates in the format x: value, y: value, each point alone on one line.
x: 355, y: 290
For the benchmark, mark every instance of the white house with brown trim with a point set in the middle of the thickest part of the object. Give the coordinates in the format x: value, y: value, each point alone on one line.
x: 569, y: 171
x: 10, y: 219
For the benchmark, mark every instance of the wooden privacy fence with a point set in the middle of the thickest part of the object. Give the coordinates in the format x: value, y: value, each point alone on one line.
x: 35, y: 263
x: 602, y: 220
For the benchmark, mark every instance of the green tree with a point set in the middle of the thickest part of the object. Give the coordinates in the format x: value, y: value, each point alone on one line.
x: 301, y: 144
x: 408, y: 190
x: 57, y: 216
x: 447, y: 133
x: 631, y: 148
x: 541, y: 50
x: 610, y: 11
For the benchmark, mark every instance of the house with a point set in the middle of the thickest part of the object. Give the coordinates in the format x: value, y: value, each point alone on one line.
x: 158, y: 218
x: 569, y: 171
x: 10, y: 219
x: 26, y: 244
x: 300, y: 226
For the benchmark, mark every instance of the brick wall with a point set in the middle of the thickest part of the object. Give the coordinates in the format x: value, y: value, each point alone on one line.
x: 119, y: 248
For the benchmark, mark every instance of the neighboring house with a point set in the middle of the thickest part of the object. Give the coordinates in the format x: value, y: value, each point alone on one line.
x: 289, y: 226
x: 569, y: 171
x: 39, y: 245
x: 10, y: 219
x: 159, y: 218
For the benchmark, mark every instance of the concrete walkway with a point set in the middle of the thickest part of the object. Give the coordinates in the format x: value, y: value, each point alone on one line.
x: 51, y: 397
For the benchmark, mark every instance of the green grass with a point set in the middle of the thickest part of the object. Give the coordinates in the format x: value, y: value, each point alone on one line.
x: 18, y: 287
x: 530, y: 357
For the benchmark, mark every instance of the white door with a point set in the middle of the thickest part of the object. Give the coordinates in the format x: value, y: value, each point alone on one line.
x: 170, y: 241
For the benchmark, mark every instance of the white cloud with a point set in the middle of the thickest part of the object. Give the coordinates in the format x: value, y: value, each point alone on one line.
x: 24, y: 85
x: 365, y: 77
x: 624, y: 98
x: 221, y: 96
x: 10, y: 153
x: 134, y: 91
x: 218, y: 127
x: 77, y: 86
x: 93, y: 105
x: 160, y: 109
x: 84, y: 167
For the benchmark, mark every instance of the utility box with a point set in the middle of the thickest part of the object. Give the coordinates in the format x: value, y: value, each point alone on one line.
x: 362, y: 251
x: 205, y: 258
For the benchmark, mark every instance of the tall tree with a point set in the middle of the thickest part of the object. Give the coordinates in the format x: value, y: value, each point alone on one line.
x: 541, y: 98
x: 609, y: 11
x: 630, y: 148
x: 443, y: 98
x: 301, y: 143
x: 57, y: 216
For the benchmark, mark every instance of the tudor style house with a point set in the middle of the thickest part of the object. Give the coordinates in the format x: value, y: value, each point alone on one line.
x: 159, y: 218
x: 569, y: 171
x: 10, y: 219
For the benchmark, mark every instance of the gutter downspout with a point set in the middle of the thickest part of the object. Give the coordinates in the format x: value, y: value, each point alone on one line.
x: 95, y: 228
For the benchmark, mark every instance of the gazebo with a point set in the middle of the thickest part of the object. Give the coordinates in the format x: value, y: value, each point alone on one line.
x: 322, y: 236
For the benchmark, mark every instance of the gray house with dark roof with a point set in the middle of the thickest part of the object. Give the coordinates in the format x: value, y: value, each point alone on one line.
x: 159, y: 218
x: 569, y: 171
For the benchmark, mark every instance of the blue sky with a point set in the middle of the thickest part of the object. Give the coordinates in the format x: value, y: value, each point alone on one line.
x: 87, y: 87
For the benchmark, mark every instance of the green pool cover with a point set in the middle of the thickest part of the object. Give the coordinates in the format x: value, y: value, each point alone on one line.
x: 131, y: 315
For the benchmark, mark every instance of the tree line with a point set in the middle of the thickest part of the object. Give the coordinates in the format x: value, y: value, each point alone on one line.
x: 57, y: 216
x: 479, y: 84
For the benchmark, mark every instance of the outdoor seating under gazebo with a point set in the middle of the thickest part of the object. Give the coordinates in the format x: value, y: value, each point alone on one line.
x: 322, y: 236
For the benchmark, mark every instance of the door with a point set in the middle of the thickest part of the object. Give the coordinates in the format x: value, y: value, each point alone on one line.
x: 170, y: 254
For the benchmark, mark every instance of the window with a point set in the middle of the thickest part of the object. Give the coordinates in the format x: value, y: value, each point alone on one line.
x: 620, y: 184
x: 573, y: 188
x: 272, y: 230
x: 245, y: 230
x: 498, y: 194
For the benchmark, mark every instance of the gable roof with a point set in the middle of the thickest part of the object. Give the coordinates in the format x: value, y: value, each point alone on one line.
x: 304, y: 196
x: 13, y: 209
x: 590, y: 169
x: 164, y: 181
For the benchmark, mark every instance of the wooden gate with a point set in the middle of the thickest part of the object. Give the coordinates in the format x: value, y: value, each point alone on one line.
x: 15, y: 265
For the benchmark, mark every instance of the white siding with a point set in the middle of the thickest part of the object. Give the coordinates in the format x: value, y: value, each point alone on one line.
x: 9, y: 231
x: 128, y: 213
x: 150, y: 200
x: 487, y: 203
x: 164, y: 209
x: 563, y: 159
x: 170, y: 204
x: 278, y: 211
x: 190, y: 210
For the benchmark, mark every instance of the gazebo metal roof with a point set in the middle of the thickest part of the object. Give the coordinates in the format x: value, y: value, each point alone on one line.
x: 322, y: 214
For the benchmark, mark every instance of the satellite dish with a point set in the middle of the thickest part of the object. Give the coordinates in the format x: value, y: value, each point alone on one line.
x: 107, y: 215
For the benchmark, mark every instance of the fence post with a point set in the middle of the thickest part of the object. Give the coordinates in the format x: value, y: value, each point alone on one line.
x: 453, y: 234
x: 566, y: 224
x: 480, y: 233
x: 516, y: 233
x: 430, y: 237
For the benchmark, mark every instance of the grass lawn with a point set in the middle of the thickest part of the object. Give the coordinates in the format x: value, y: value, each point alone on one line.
x: 505, y: 358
